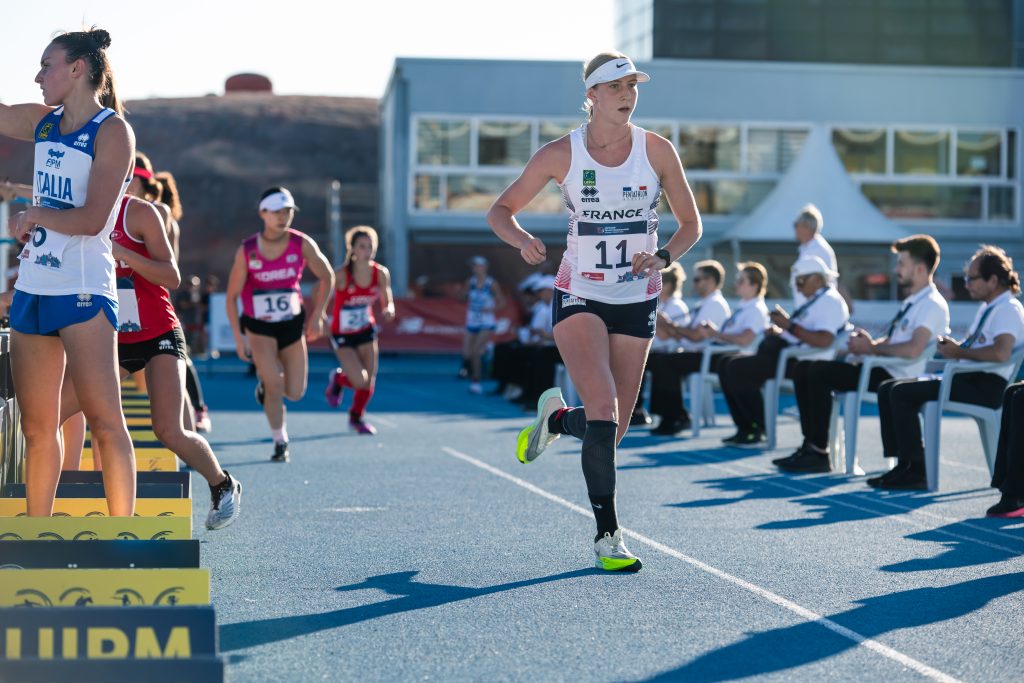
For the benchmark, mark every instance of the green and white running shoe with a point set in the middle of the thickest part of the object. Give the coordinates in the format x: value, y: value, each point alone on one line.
x: 535, y: 438
x: 612, y: 555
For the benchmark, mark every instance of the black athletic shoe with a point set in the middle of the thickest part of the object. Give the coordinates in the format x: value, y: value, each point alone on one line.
x: 809, y: 460
x: 792, y: 456
x: 671, y: 427
x: 902, y: 479
x: 731, y: 440
x: 750, y: 440
x: 280, y: 452
x: 641, y: 419
x: 1008, y: 506
x: 260, y: 393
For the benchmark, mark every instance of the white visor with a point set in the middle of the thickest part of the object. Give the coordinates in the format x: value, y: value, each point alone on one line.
x: 277, y: 201
x: 613, y: 70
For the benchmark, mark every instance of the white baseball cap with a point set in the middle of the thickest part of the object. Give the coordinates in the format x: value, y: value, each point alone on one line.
x: 810, y: 265
x: 613, y: 70
x: 282, y: 199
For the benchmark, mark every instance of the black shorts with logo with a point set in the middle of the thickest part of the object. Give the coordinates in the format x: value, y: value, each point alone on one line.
x: 134, y: 357
x: 286, y: 332
x: 633, y: 320
x: 355, y: 339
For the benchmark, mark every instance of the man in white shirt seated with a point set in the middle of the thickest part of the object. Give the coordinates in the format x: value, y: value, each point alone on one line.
x: 807, y: 226
x: 998, y: 329
x: 673, y: 310
x: 921, y: 317
x: 813, y: 324
x: 693, y: 335
x: 743, y: 327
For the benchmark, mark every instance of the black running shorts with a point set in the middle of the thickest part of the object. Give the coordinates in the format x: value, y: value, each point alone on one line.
x: 633, y: 320
x: 355, y: 339
x: 286, y: 332
x: 134, y: 357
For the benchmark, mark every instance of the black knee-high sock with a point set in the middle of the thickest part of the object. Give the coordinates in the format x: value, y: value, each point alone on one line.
x: 599, y: 472
x: 571, y: 421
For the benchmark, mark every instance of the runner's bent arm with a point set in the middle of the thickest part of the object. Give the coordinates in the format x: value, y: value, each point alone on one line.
x: 551, y: 162
x: 236, y: 281
x: 115, y: 156
x: 19, y: 121
x: 321, y: 267
x: 387, y: 299
x: 160, y: 268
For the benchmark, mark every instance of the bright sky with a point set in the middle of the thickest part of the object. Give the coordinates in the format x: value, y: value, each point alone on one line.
x: 188, y: 47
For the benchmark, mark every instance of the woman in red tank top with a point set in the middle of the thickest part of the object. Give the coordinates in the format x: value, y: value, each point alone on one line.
x: 150, y: 340
x: 360, y: 283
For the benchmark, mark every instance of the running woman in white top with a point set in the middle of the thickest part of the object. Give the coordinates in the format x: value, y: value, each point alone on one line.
x: 483, y: 297
x: 65, y: 303
x: 611, y: 174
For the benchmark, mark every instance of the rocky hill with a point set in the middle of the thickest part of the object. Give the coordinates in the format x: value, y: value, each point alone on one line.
x: 225, y: 150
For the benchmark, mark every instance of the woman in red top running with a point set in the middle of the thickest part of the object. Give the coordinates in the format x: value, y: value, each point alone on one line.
x: 361, y: 281
x: 150, y: 339
x: 273, y: 328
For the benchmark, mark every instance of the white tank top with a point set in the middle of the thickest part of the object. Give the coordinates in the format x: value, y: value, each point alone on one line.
x: 612, y: 217
x: 53, y: 263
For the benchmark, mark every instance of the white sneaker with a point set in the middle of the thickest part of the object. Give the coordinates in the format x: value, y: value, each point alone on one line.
x: 611, y: 554
x: 225, y: 505
x: 475, y: 388
x: 534, y: 438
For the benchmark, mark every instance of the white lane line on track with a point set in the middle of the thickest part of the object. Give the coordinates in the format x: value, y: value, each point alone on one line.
x: 857, y: 638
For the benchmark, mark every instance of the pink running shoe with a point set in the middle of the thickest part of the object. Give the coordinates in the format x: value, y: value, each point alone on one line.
x: 333, y: 392
x: 357, y: 425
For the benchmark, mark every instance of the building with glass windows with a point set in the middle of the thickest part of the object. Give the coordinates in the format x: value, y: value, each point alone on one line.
x: 937, y: 149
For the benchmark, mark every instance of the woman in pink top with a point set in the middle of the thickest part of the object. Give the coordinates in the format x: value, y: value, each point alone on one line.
x: 273, y: 328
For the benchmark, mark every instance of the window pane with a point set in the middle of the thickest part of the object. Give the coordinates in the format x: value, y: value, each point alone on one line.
x: 772, y: 151
x: 729, y: 196
x: 427, y: 193
x: 1011, y: 154
x: 504, y: 143
x: 925, y: 201
x: 862, y: 151
x: 921, y: 153
x: 475, y: 193
x: 552, y: 130
x: 1000, y: 203
x: 703, y: 148
x: 442, y: 143
x: 978, y: 154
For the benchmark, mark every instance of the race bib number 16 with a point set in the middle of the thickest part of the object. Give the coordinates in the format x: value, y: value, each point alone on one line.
x: 605, y: 249
x: 276, y: 306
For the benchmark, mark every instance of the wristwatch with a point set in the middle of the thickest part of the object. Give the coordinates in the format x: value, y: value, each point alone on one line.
x: 664, y: 255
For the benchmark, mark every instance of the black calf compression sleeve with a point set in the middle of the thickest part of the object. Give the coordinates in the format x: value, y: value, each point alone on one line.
x: 599, y: 472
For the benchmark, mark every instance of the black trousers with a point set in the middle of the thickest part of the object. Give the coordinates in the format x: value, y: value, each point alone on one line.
x: 815, y: 380
x: 1009, y: 470
x: 900, y: 401
x: 537, y: 372
x: 742, y: 377
x: 667, y: 373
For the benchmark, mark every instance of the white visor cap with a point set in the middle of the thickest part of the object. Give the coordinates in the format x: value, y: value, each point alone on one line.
x: 613, y: 70
x: 277, y: 201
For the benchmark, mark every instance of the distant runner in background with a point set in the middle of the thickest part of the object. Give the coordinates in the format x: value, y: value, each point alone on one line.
x: 273, y: 329
x: 360, y: 283
x: 483, y: 297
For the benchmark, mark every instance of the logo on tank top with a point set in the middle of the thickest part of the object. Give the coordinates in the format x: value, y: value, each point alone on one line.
x: 255, y: 263
x: 54, y: 186
x: 44, y: 132
x: 639, y: 193
x: 55, y: 157
x: 280, y: 273
x: 291, y: 258
x: 589, y: 178
x: 82, y: 141
x: 589, y: 194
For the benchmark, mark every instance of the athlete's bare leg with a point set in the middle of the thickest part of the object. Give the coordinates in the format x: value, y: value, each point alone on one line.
x: 264, y: 356
x: 73, y: 434
x: 353, y: 366
x: 294, y: 360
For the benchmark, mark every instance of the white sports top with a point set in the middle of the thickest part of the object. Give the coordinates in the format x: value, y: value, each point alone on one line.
x: 611, y: 217
x: 53, y: 263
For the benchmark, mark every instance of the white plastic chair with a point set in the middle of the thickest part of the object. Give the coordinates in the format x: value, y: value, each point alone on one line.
x: 773, y: 387
x: 843, y: 441
x: 987, y: 419
x: 700, y: 386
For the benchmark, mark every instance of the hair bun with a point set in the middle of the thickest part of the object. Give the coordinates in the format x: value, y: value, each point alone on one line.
x: 100, y: 37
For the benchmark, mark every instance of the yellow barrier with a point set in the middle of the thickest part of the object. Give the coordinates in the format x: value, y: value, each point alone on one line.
x: 146, y: 460
x: 97, y: 507
x: 95, y: 528
x: 83, y: 587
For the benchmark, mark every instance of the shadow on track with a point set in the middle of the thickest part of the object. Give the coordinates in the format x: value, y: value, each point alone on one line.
x: 411, y: 595
x: 763, y: 653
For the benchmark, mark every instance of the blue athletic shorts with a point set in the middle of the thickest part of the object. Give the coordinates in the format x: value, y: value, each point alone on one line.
x: 48, y: 315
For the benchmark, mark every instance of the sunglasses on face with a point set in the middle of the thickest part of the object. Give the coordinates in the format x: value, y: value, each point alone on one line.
x: 800, y: 281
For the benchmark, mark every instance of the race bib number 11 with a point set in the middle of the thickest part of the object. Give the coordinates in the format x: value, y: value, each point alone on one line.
x: 604, y: 249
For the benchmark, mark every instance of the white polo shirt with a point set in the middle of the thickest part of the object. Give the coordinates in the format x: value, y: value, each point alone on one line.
x: 677, y: 311
x: 713, y: 309
x: 1007, y: 317
x: 825, y: 311
x: 540, y: 321
x: 751, y: 314
x: 926, y: 308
